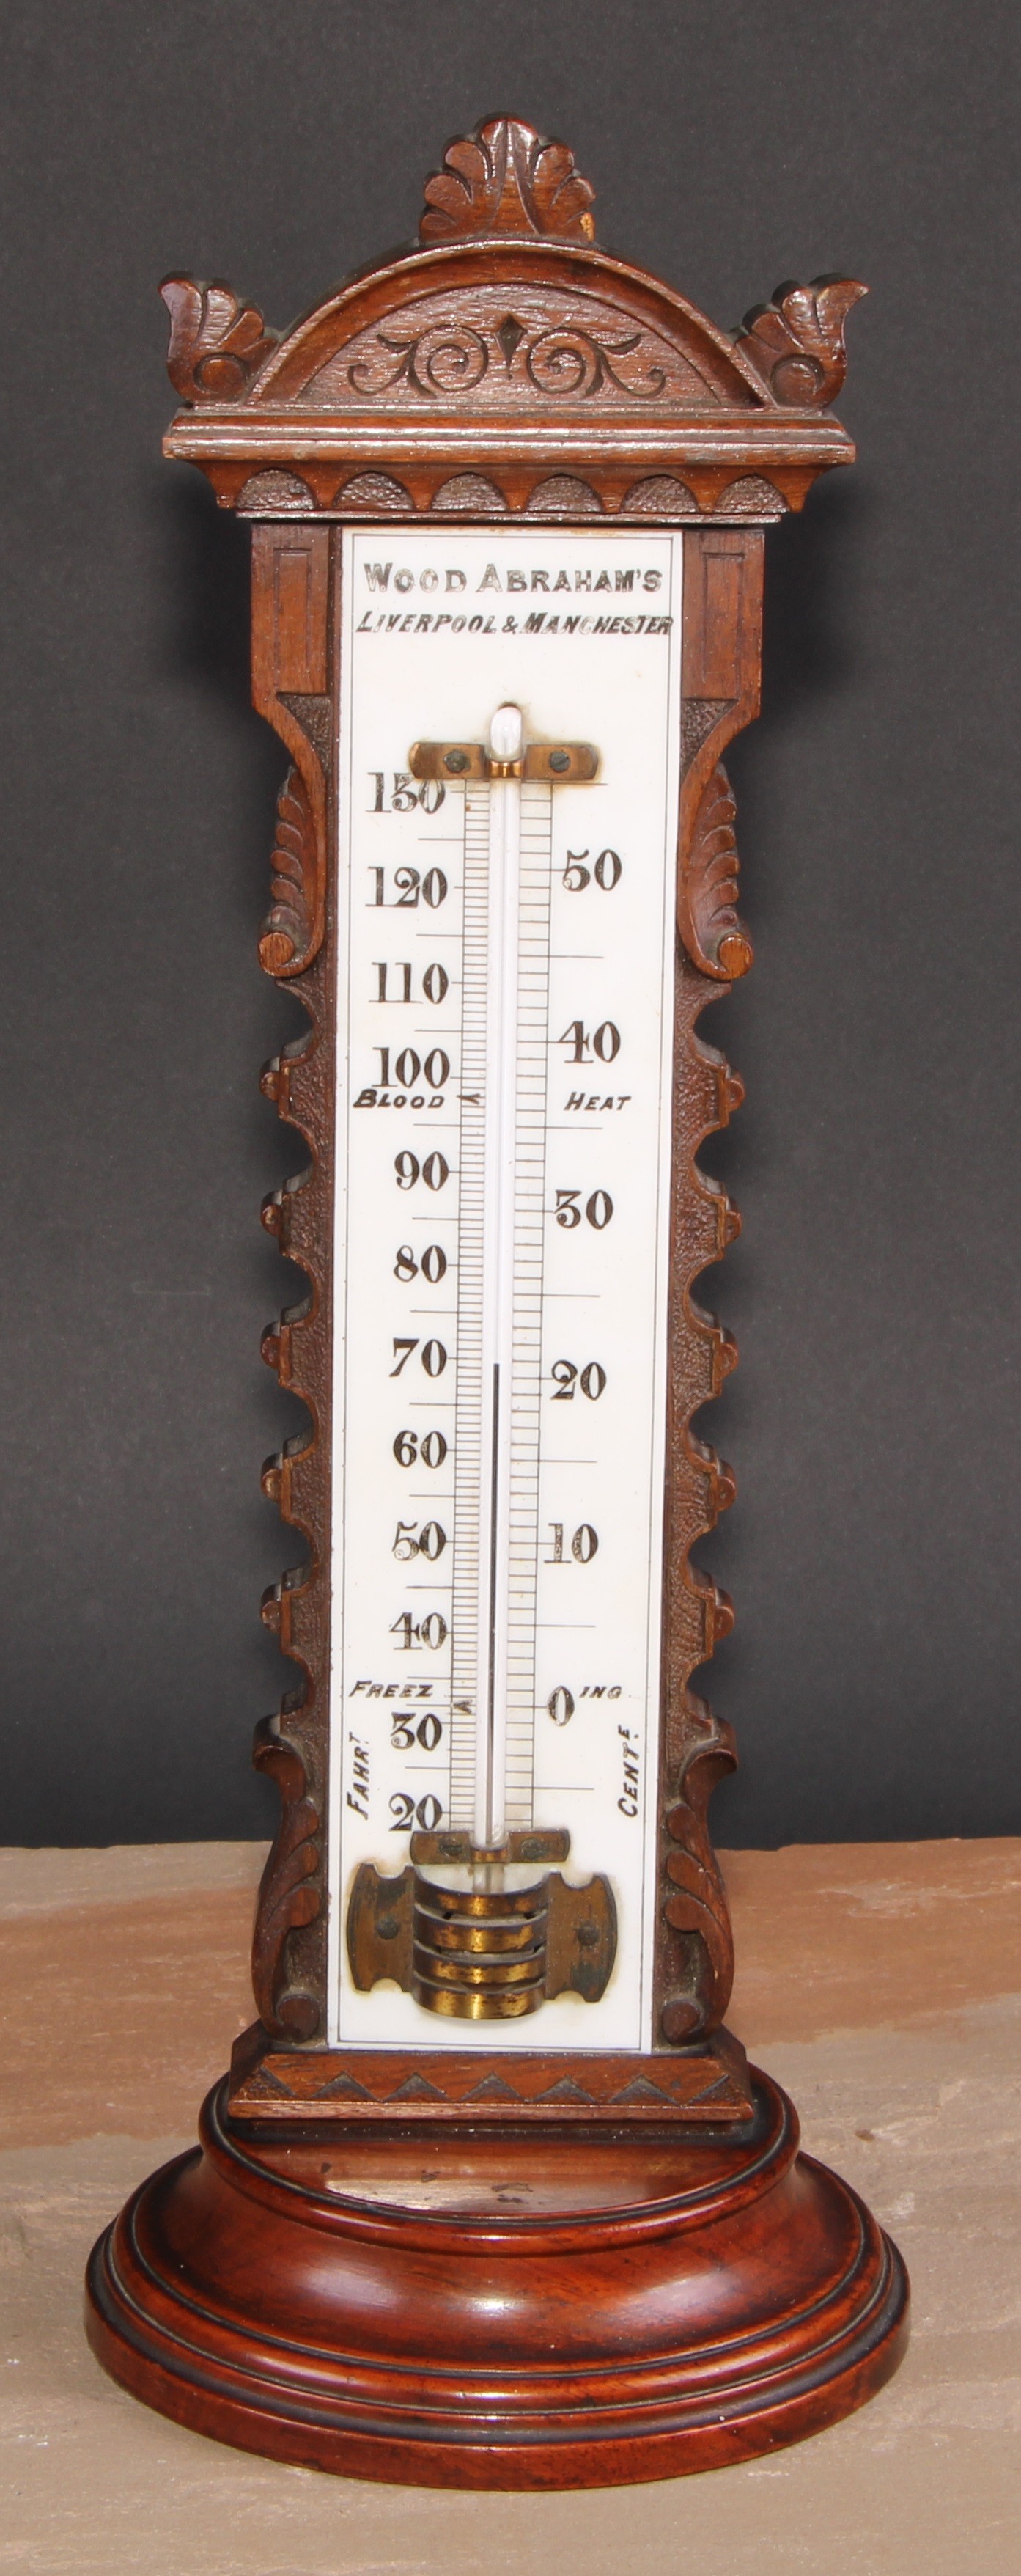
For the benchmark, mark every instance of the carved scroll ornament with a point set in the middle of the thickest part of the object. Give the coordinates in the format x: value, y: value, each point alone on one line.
x: 449, y: 357
x: 292, y: 930
x: 505, y: 178
x: 796, y: 341
x: 699, y: 1947
x: 216, y: 342
x: 707, y: 908
x: 289, y: 1896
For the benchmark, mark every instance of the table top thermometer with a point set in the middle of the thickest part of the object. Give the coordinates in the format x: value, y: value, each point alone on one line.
x: 491, y: 2196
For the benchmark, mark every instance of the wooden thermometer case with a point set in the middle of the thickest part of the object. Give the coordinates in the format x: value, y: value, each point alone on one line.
x: 495, y: 2266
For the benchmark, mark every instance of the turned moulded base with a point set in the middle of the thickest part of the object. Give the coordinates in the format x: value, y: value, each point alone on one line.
x: 499, y: 2309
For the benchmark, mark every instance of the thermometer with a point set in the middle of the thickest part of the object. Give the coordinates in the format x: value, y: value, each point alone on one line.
x: 508, y: 760
x: 491, y: 2197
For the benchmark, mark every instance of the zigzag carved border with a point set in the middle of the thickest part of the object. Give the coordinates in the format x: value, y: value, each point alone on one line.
x: 722, y: 627
x: 292, y: 625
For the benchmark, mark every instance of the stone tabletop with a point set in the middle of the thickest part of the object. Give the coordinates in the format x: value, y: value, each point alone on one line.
x: 880, y: 1982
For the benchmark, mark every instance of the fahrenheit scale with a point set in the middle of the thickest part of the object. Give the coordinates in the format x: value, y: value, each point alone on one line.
x: 508, y: 762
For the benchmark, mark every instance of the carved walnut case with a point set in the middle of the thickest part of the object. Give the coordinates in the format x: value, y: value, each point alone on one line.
x: 507, y: 368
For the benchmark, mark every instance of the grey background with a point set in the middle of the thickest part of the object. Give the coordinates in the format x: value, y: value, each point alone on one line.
x: 873, y: 1423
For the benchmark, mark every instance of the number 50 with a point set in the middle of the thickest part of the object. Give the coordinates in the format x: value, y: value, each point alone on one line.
x: 607, y: 871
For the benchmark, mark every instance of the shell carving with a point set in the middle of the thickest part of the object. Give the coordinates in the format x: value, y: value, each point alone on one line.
x: 216, y: 342
x: 505, y: 178
x: 796, y: 341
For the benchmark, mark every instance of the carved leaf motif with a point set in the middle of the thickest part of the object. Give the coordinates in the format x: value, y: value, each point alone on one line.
x: 797, y: 340
x: 708, y: 921
x: 216, y: 342
x: 285, y: 940
x: 505, y: 178
x: 289, y: 1895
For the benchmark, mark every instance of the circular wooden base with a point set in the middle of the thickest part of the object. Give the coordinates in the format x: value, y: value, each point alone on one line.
x: 533, y: 2309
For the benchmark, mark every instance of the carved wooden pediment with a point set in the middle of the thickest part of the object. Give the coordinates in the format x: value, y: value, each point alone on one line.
x: 509, y: 357
x: 524, y: 347
x: 522, y: 326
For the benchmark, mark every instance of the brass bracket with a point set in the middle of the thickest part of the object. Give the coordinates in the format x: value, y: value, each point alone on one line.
x: 464, y: 762
x: 532, y: 1843
x: 484, y: 1953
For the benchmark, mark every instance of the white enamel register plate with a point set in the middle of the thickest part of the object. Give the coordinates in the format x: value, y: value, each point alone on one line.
x: 565, y: 1239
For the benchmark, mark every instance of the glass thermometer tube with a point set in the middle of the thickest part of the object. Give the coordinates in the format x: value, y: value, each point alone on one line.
x: 505, y: 736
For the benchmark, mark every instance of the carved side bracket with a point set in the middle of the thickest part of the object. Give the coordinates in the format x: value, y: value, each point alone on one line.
x: 695, y: 1952
x: 695, y: 1906
x: 722, y: 613
x: 216, y: 342
x: 707, y: 897
x: 291, y: 664
x: 293, y: 928
x: 290, y: 572
x: 289, y: 1895
x: 797, y: 340
x: 506, y: 178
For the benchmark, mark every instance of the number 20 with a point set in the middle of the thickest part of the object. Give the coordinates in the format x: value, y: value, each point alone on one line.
x: 403, y: 1809
x: 591, y: 1379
